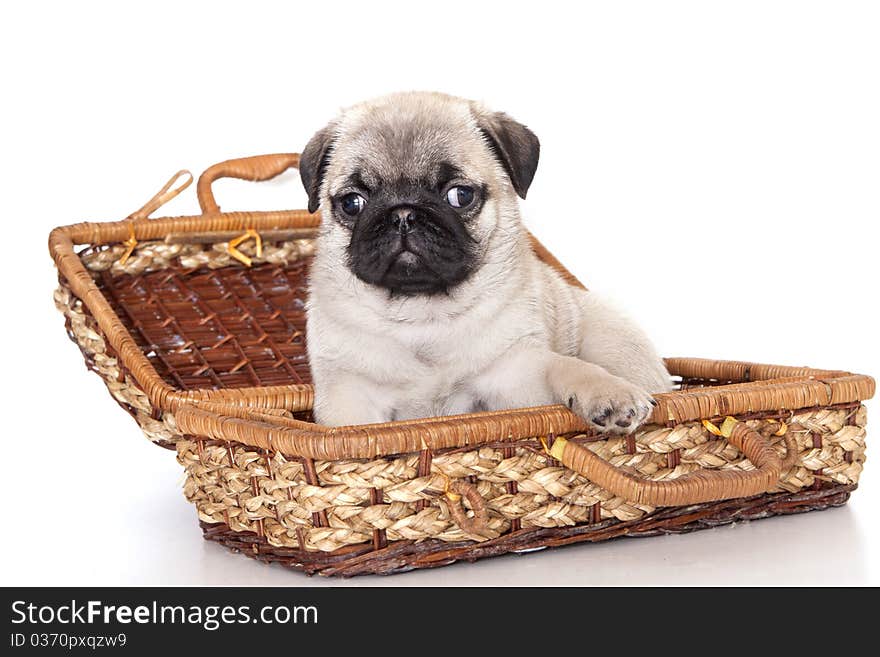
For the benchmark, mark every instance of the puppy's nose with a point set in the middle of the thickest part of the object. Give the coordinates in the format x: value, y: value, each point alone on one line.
x: 403, y: 218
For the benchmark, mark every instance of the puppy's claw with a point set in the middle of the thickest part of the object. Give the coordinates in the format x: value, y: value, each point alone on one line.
x: 601, y: 419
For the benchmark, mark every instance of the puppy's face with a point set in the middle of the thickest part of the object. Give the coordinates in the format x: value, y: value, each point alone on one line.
x: 411, y: 207
x: 413, y: 183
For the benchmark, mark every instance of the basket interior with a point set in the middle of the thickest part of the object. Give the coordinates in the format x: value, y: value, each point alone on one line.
x: 231, y: 327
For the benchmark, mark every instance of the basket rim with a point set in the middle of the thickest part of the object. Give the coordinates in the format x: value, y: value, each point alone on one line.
x: 244, y: 414
x: 264, y: 430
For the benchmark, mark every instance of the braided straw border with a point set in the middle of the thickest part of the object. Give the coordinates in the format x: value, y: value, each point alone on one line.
x: 275, y: 497
x: 402, y: 556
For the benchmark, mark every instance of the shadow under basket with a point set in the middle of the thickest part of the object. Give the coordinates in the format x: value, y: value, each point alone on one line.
x: 197, y: 326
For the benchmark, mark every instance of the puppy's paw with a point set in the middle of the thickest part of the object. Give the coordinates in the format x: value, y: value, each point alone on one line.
x: 611, y: 404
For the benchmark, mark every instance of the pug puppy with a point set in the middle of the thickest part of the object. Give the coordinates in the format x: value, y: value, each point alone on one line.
x: 425, y: 297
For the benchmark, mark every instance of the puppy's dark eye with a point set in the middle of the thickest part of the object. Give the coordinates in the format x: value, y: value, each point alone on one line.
x: 460, y: 197
x: 353, y: 204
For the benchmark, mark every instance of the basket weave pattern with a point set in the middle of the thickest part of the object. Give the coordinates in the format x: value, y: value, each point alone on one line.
x: 271, y: 495
x: 148, y: 258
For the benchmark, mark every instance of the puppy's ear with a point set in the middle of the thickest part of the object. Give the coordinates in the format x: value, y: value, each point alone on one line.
x: 313, y: 162
x: 514, y: 145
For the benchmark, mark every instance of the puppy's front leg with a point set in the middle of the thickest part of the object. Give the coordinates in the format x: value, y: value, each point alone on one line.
x: 347, y: 399
x: 614, y: 342
x: 533, y: 376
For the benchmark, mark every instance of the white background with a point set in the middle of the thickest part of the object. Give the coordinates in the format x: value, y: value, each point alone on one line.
x: 714, y: 167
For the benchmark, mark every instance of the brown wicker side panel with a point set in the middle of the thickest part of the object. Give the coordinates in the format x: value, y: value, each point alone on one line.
x: 470, y: 502
x: 201, y: 319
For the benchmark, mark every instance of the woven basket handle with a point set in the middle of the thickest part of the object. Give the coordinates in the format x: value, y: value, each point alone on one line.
x: 693, y: 488
x: 254, y: 168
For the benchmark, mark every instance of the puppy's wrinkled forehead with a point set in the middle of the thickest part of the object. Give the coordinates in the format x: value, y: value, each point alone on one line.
x: 424, y: 140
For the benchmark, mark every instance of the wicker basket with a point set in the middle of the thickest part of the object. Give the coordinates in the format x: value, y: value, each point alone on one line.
x: 196, y: 324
